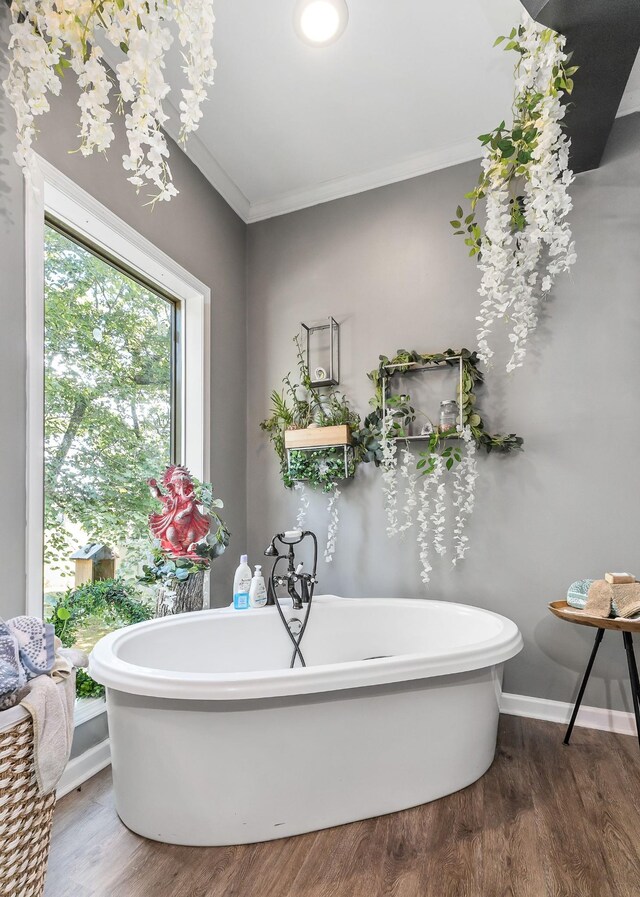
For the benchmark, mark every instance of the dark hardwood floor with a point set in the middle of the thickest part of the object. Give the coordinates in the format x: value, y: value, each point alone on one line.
x: 545, y: 821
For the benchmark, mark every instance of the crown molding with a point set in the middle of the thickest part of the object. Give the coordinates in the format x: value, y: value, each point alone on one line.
x: 349, y: 185
x: 412, y: 167
x: 196, y: 151
x: 336, y: 188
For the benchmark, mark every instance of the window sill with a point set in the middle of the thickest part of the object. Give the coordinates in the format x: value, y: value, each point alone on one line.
x: 86, y: 709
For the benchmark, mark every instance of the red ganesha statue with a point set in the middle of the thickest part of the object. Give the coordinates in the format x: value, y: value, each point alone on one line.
x: 181, y: 523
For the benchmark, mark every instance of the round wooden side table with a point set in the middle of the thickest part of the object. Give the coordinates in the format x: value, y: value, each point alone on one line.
x: 627, y: 627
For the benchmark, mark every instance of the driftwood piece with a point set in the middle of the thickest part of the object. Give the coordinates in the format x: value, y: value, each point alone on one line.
x: 181, y: 597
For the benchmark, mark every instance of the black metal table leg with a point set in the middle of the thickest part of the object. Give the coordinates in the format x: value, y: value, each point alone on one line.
x: 633, y: 676
x: 585, y: 679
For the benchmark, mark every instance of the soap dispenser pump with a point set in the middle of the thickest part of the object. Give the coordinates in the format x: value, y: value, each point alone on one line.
x: 258, y: 590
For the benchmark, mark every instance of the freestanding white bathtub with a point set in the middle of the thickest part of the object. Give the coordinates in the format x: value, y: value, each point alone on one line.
x: 215, y: 741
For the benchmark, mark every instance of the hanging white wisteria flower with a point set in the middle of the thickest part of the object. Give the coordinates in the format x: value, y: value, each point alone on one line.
x: 411, y: 476
x: 525, y: 178
x: 424, y: 538
x: 432, y: 500
x: 438, y: 518
x: 431, y: 519
x: 464, y: 494
x: 48, y: 37
x: 303, y: 507
x: 332, y: 529
x: 389, y: 464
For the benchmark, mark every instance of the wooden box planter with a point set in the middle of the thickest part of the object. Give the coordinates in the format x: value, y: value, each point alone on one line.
x: 318, y: 437
x: 322, y: 446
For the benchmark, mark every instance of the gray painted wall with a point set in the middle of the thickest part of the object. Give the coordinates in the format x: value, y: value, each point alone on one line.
x: 197, y: 229
x: 385, y: 264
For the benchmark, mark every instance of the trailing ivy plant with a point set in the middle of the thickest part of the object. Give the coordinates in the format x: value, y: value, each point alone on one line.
x: 300, y: 405
x: 524, y: 181
x: 99, y: 606
x: 321, y: 467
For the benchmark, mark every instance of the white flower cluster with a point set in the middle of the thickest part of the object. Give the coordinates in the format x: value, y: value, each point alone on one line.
x: 389, y: 466
x: 518, y: 269
x: 303, y: 507
x: 410, y: 475
x: 334, y: 520
x: 48, y: 37
x: 438, y: 518
x: 464, y: 494
x: 431, y: 501
x: 423, y: 538
x: 431, y: 523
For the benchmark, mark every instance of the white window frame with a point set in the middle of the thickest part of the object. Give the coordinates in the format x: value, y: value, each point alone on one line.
x: 51, y: 192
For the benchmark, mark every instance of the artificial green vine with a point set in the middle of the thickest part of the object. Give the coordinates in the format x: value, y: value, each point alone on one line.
x: 321, y: 467
x: 511, y: 150
x: 403, y: 413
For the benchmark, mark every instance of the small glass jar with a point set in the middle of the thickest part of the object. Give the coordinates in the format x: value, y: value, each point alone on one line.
x: 448, y: 415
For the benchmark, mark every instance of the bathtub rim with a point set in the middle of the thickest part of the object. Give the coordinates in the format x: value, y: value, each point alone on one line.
x: 111, y: 671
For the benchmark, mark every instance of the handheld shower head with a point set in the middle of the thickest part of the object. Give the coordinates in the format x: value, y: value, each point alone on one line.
x: 291, y: 536
x: 288, y: 538
x: 293, y: 579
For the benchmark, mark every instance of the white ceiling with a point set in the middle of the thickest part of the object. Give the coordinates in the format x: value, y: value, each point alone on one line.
x: 405, y: 90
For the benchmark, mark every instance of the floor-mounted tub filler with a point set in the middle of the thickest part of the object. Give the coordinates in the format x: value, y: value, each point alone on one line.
x: 216, y: 741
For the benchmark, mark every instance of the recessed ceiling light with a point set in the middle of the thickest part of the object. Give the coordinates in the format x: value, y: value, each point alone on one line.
x: 320, y: 22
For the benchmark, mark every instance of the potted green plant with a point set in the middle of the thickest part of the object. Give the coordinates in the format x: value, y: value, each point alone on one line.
x: 312, y: 431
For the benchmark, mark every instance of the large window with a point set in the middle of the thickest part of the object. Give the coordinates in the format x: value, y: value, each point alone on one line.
x: 117, y: 388
x: 109, y: 416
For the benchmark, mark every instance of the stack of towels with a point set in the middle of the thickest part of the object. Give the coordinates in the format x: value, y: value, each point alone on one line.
x: 38, y: 673
x: 617, y: 595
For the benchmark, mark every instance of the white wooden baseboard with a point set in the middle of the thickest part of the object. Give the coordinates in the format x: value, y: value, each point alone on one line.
x: 83, y: 767
x: 560, y: 712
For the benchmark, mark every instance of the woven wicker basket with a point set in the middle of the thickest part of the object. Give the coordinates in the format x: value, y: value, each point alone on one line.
x: 25, y: 816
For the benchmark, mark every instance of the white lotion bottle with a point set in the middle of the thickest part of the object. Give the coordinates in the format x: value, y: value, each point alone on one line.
x: 241, y: 584
x: 257, y: 590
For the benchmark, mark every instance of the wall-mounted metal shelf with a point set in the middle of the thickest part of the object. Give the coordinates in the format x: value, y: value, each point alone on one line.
x: 323, y: 372
x: 415, y: 367
x: 425, y: 438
